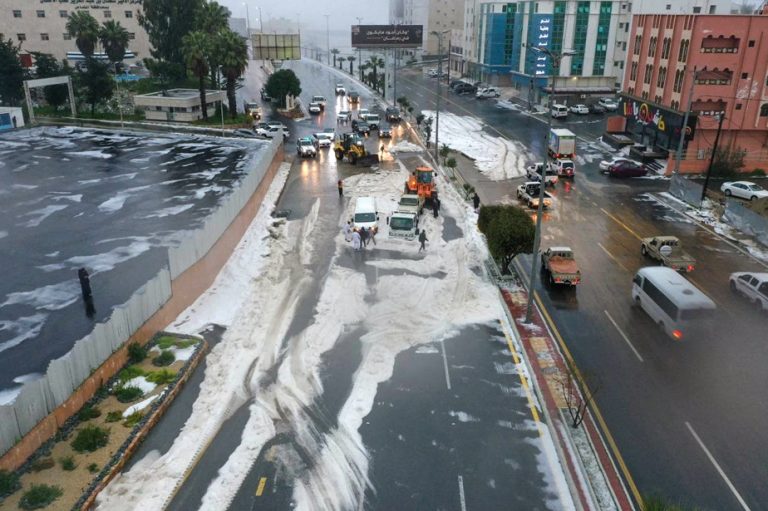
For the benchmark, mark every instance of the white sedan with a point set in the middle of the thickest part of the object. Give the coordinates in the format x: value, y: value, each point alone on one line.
x: 744, y: 190
x: 606, y: 164
x: 324, y: 139
x: 315, y: 108
x: 753, y: 286
x: 343, y: 116
x: 579, y: 109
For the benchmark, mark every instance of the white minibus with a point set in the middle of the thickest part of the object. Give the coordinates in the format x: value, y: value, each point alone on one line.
x: 671, y: 301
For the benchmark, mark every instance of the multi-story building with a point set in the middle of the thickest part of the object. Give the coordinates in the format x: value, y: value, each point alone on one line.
x: 433, y: 15
x: 718, y: 63
x: 40, y: 25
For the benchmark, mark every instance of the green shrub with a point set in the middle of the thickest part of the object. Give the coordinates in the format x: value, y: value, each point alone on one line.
x: 130, y: 373
x: 658, y: 503
x: 133, y: 419
x: 128, y: 394
x: 67, y: 463
x: 757, y: 173
x: 509, y: 231
x: 93, y: 468
x: 90, y: 438
x: 42, y: 464
x: 165, y: 358
x: 165, y: 342
x: 136, y: 352
x: 88, y: 412
x: 9, y: 482
x: 161, y: 377
x: 40, y: 496
x: 114, y: 416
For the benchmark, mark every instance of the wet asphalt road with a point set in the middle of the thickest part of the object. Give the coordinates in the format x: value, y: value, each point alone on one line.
x: 452, y: 423
x: 685, y: 415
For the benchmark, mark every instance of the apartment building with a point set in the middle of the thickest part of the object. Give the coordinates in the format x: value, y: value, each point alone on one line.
x: 433, y: 15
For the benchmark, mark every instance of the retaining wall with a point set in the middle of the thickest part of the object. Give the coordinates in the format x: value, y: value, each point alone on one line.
x: 44, y: 405
x: 746, y: 221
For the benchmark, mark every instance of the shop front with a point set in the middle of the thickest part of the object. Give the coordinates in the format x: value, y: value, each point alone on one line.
x: 653, y: 126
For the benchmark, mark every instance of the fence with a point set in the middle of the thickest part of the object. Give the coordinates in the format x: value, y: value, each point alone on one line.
x: 686, y: 190
x: 746, y: 221
x: 40, y: 398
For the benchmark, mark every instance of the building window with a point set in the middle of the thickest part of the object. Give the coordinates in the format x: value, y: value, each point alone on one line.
x: 107, y: 14
x: 638, y: 44
x: 580, y: 38
x: 652, y: 47
x: 17, y: 14
x: 764, y: 110
x: 697, y: 10
x: 648, y: 73
x: 678, y: 85
x: 131, y: 35
x: 744, y: 76
x: 657, y: 100
x: 63, y: 14
x: 21, y: 37
x: 682, y: 54
x: 669, y: 7
x: 751, y: 43
x: 666, y: 47
x: 662, y: 79
x: 40, y: 14
x: 129, y: 14
x: 633, y: 72
x: 675, y: 105
x: 67, y: 37
x: 738, y: 106
x: 601, y: 43
x: 712, y: 9
x: 44, y: 37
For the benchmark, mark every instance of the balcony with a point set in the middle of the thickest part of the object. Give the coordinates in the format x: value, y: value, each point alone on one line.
x: 714, y: 77
x: 720, y: 44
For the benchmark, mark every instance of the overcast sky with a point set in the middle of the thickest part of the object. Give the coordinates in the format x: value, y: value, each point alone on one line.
x: 310, y: 12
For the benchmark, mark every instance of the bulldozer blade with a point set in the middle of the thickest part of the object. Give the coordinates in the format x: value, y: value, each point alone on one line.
x: 368, y: 159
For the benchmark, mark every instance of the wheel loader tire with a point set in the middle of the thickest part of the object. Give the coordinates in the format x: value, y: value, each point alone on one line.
x: 339, y: 155
x: 353, y: 159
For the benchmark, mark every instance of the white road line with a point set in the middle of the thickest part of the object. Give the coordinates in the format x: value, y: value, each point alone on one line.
x: 612, y: 257
x: 626, y: 339
x: 717, y: 466
x: 445, y: 366
x: 461, y: 494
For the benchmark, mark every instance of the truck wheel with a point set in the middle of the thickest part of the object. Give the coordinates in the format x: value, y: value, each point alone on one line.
x: 339, y: 155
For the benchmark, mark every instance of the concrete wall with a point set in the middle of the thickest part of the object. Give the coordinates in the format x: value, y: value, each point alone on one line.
x: 44, y: 405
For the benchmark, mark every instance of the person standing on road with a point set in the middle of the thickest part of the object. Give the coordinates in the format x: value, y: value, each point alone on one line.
x: 364, y: 236
x: 341, y: 188
x: 347, y: 230
x: 423, y: 239
x: 372, y: 235
x: 476, y: 201
x: 356, y: 243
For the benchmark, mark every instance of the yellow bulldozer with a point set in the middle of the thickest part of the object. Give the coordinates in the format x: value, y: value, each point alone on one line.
x: 421, y: 182
x: 352, y: 146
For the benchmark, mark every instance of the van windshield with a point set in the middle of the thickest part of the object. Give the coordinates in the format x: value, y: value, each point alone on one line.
x: 365, y: 217
x: 403, y: 224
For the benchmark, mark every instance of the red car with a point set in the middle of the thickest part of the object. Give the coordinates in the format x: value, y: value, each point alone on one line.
x: 626, y: 169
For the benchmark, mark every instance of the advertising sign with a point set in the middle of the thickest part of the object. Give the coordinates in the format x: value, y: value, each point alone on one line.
x: 387, y: 36
x: 661, y: 119
x: 539, y: 36
x: 276, y: 46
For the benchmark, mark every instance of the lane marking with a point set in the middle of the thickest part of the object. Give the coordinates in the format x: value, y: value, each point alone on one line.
x: 461, y: 494
x: 626, y: 339
x: 612, y: 257
x: 717, y: 467
x: 523, y: 379
x: 445, y: 366
x: 625, y: 226
x: 595, y: 409
x: 260, y: 488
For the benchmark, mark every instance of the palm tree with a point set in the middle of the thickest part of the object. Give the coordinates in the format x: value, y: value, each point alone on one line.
x: 341, y: 62
x: 363, y: 68
x: 196, y: 48
x: 213, y: 19
x: 233, y: 54
x: 351, y: 59
x: 334, y: 52
x: 114, y: 39
x: 85, y: 29
x: 374, y: 63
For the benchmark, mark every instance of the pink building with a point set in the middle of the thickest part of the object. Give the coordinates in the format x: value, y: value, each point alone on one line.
x: 723, y: 60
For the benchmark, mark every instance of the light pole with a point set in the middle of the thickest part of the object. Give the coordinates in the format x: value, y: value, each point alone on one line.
x: 679, y: 154
x: 247, y: 20
x: 359, y: 53
x: 554, y: 59
x: 712, y: 157
x: 327, y: 39
x: 437, y: 101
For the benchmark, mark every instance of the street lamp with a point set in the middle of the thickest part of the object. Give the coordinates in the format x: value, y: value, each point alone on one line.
x: 327, y: 39
x: 437, y: 101
x: 359, y: 52
x: 554, y: 59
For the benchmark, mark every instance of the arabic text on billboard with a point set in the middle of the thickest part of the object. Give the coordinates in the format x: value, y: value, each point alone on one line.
x: 387, y: 36
x: 276, y: 46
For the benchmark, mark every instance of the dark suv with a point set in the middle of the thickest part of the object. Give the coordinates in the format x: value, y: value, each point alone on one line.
x: 465, y: 88
x: 392, y: 114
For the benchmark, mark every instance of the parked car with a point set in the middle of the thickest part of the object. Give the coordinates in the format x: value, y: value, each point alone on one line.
x: 596, y: 108
x: 744, y: 190
x: 488, y: 92
x: 343, y: 116
x: 609, y: 104
x: 315, y: 108
x: 559, y: 111
x: 627, y: 169
x: 579, y: 109
x: 606, y: 164
x: 753, y: 286
x: 340, y: 90
x: 244, y: 132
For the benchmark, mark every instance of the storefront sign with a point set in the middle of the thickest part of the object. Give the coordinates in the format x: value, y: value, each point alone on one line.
x: 545, y: 24
x: 661, y: 119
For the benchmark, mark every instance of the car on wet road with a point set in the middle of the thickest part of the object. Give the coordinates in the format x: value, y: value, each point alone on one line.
x: 627, y: 169
x: 752, y: 286
x: 579, y: 109
x: 604, y: 165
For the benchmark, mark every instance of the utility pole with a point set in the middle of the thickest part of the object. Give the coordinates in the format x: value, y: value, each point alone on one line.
x: 359, y: 53
x: 437, y: 101
x: 327, y: 39
x: 554, y: 59
x: 680, y: 143
x: 712, y: 157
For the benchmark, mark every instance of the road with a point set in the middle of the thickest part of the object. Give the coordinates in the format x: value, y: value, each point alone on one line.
x: 449, y: 425
x: 688, y: 417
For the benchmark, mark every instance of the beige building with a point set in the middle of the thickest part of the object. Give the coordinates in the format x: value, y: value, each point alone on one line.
x: 433, y: 15
x: 180, y: 105
x: 40, y: 25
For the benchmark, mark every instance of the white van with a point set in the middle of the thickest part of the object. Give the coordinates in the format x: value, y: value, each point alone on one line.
x: 365, y: 214
x: 559, y: 111
x: 671, y: 301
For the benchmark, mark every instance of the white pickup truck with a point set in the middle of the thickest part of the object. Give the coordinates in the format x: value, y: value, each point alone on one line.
x: 668, y: 251
x: 530, y: 193
x: 534, y: 173
x: 411, y: 203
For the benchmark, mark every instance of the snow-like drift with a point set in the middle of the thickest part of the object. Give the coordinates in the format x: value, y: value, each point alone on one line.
x: 496, y: 157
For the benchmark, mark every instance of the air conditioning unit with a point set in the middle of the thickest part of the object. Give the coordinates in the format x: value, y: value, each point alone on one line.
x: 583, y: 96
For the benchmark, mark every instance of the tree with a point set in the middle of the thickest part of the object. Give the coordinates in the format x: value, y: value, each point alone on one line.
x: 114, y: 39
x: 282, y: 83
x: 509, y: 231
x: 85, y: 29
x: 341, y: 61
x: 727, y: 163
x: 444, y: 152
x: 375, y: 63
x: 578, y: 391
x: 403, y: 102
x: 213, y: 19
x: 451, y: 164
x: 166, y: 23
x: 96, y: 83
x: 362, y: 68
x: 334, y: 52
x: 196, y: 49
x: 351, y: 59
x: 11, y: 91
x: 47, y: 67
x: 234, y: 60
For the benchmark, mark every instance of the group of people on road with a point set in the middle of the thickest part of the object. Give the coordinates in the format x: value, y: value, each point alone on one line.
x: 359, y: 237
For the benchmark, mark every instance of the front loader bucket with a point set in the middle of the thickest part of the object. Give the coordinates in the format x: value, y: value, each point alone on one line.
x: 369, y: 159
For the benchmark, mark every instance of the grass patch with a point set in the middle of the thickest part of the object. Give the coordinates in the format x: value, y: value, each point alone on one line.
x: 90, y: 439
x: 658, y: 503
x: 161, y: 377
x: 40, y: 496
x: 133, y: 419
x: 137, y: 353
x: 165, y: 358
x: 42, y: 464
x: 9, y: 482
x: 130, y: 373
x: 166, y: 342
x: 68, y: 463
x: 93, y: 468
x: 88, y: 412
x: 114, y: 416
x: 128, y: 394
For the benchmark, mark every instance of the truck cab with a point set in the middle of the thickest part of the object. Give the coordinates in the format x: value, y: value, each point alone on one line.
x: 559, y: 264
x: 404, y: 224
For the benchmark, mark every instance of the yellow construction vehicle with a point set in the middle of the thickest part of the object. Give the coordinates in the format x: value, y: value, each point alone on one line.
x: 352, y: 146
x: 421, y: 182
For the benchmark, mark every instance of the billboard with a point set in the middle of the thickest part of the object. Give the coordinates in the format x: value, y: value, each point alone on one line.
x: 658, y: 118
x: 387, y: 36
x: 276, y: 46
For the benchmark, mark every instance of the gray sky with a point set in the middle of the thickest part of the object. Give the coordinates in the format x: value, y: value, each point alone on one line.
x: 310, y: 12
